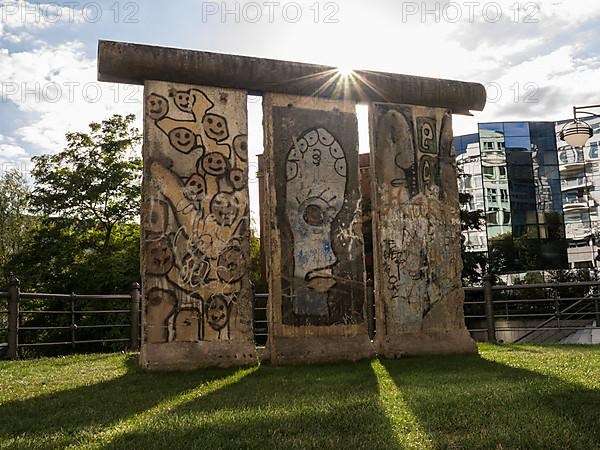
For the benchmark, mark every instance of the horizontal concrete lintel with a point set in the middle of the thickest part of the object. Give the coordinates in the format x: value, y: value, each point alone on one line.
x: 122, y: 62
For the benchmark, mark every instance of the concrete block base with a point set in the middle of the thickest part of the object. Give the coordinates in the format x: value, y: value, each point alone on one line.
x: 197, y: 355
x: 425, y: 343
x: 319, y: 349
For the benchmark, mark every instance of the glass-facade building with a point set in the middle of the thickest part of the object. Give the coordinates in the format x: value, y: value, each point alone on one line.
x: 518, y: 188
x: 580, y: 186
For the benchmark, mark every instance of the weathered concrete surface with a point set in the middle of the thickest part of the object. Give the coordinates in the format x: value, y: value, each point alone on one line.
x: 416, y: 222
x: 190, y: 356
x: 133, y: 63
x: 197, y: 304
x: 315, y: 243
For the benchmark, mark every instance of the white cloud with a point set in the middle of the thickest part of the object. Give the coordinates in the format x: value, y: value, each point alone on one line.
x: 8, y: 151
x: 57, y: 86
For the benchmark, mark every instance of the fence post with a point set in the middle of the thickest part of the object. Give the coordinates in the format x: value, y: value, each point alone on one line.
x: 73, y: 324
x: 135, y: 316
x: 14, y: 295
x: 488, y: 295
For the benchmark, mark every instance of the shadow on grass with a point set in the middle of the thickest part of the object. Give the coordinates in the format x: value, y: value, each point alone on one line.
x: 470, y: 402
x: 331, y: 406
x: 66, y: 413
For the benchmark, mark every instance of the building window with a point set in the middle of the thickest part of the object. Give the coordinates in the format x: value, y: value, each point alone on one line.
x: 488, y: 172
x: 594, y: 150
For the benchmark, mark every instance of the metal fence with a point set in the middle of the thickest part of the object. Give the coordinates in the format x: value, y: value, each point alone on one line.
x: 540, y: 313
x: 519, y: 313
x: 73, y: 319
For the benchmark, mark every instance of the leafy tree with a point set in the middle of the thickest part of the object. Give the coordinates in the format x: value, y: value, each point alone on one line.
x: 88, y: 199
x: 64, y: 256
x: 86, y: 237
x: 15, y: 221
x: 256, y: 275
x: 95, y: 179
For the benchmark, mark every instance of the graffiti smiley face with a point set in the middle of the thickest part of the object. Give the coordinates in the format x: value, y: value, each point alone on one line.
x: 217, y: 312
x: 224, y: 208
x: 195, y: 188
x: 240, y: 146
x: 238, y: 179
x: 160, y: 257
x: 215, y: 127
x: 231, y: 265
x: 214, y: 164
x: 182, y: 139
x: 183, y: 100
x: 157, y: 106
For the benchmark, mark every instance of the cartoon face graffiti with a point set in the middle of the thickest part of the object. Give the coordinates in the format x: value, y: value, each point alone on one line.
x: 238, y: 179
x: 214, y: 164
x: 225, y: 208
x: 157, y: 106
x: 217, y: 312
x: 231, y: 265
x: 160, y: 257
x: 158, y: 219
x: 195, y: 190
x: 316, y: 183
x: 183, y: 100
x: 215, y: 127
x: 240, y: 146
x: 182, y: 139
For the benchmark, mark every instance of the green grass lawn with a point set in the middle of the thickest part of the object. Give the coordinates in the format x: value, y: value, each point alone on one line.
x: 508, y: 397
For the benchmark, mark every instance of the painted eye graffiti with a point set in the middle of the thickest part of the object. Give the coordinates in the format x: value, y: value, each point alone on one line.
x: 182, y: 139
x: 314, y: 216
x: 325, y: 137
x: 217, y: 312
x: 312, y: 138
x: 341, y: 168
x: 157, y: 106
x: 318, y: 211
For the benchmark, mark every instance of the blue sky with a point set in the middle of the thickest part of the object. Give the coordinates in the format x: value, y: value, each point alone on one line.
x: 537, y: 60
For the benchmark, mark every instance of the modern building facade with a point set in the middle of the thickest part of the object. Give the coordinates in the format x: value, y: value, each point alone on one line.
x: 520, y: 185
x: 537, y: 195
x: 580, y: 186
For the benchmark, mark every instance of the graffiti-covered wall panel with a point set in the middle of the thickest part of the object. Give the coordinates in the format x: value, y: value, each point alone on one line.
x: 316, y: 244
x: 418, y: 264
x: 195, y: 222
